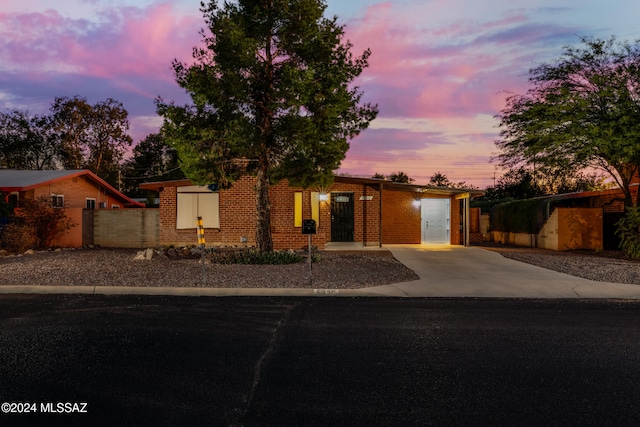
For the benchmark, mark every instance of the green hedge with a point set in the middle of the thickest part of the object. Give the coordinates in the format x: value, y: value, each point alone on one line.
x: 520, y: 216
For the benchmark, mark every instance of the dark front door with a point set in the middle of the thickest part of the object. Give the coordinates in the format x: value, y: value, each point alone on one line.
x: 342, y: 217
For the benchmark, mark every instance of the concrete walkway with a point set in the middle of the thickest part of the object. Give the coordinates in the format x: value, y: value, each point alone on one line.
x: 445, y: 271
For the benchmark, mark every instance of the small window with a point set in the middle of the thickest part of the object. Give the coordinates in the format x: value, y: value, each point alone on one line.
x: 57, y: 201
x: 315, y: 207
x: 297, y: 209
x: 115, y: 207
x: 91, y: 203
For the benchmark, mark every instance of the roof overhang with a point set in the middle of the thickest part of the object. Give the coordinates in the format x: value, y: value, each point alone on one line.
x: 413, y: 188
x: 58, y: 176
x: 386, y: 184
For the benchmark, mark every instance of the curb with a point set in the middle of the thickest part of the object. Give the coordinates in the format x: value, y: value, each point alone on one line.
x: 168, y: 291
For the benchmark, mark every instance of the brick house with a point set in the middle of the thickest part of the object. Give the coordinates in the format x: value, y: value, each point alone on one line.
x: 76, y: 191
x: 369, y: 211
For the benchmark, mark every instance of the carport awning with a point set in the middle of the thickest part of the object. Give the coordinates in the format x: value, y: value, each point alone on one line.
x: 414, y: 188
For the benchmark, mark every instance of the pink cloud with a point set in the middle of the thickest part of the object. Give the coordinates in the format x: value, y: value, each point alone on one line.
x: 420, y: 68
x: 127, y: 42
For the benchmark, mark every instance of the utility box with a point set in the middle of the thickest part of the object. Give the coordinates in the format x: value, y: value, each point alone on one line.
x: 308, y: 226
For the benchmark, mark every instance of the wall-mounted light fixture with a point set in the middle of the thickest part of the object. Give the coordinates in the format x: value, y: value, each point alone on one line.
x: 417, y: 198
x: 323, y: 197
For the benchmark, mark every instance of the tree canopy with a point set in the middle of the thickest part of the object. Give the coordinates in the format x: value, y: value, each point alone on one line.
x: 74, y: 135
x: 272, y: 97
x: 27, y: 141
x: 524, y: 183
x: 152, y: 160
x: 94, y: 137
x: 399, y: 176
x: 440, y: 179
x: 581, y: 111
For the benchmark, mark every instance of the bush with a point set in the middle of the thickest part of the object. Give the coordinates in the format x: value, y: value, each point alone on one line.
x: 628, y: 229
x: 17, y: 238
x: 254, y: 256
x: 39, y: 223
x: 520, y: 216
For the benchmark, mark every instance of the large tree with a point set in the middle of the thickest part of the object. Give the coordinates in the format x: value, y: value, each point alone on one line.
x: 27, y: 141
x: 581, y: 111
x: 94, y: 137
x: 272, y: 97
x: 152, y: 160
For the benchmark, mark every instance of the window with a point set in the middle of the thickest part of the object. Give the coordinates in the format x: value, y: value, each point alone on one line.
x: 115, y: 206
x: 13, y: 199
x: 57, y: 201
x: 194, y: 201
x: 315, y: 207
x: 297, y: 209
x: 91, y: 203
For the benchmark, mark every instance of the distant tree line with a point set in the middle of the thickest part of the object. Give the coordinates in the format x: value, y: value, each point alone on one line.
x: 75, y: 134
x: 438, y: 179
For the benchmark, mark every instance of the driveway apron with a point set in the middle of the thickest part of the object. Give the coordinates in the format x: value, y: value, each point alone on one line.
x: 458, y: 271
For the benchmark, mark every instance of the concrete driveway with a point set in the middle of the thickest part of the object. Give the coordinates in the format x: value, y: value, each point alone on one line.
x: 458, y: 271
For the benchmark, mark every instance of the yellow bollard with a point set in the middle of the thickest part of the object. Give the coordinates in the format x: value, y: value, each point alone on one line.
x: 201, y: 243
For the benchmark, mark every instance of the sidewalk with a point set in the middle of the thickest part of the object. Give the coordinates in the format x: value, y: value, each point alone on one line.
x: 444, y: 271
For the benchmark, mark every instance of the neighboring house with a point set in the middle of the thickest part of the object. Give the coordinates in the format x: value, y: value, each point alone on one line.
x: 372, y: 212
x: 73, y: 190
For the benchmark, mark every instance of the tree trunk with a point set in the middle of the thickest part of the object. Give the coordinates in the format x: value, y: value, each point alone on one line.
x: 263, y: 210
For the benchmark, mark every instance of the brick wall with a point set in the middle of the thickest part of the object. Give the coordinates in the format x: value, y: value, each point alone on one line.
x: 237, y: 216
x: 366, y: 213
x: 401, y: 218
x: 400, y: 222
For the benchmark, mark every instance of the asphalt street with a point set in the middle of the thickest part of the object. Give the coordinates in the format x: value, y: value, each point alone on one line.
x: 152, y: 360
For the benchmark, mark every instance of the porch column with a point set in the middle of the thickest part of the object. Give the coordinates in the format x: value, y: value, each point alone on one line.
x: 467, y: 212
x: 380, y: 218
x: 465, y: 197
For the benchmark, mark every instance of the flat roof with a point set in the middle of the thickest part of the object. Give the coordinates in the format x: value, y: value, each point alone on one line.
x: 386, y: 184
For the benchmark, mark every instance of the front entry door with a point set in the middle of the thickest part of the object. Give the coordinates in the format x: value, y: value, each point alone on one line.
x: 435, y: 221
x: 342, y: 217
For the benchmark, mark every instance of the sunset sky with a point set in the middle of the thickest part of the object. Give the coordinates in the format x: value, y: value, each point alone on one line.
x: 439, y: 71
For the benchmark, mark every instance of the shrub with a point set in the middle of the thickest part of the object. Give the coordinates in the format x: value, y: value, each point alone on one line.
x: 628, y: 229
x: 17, y: 238
x: 39, y: 222
x: 520, y: 216
x: 254, y: 256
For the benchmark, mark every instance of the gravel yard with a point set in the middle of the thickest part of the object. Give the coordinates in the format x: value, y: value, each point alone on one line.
x: 609, y: 266
x: 117, y: 267
x: 336, y: 270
